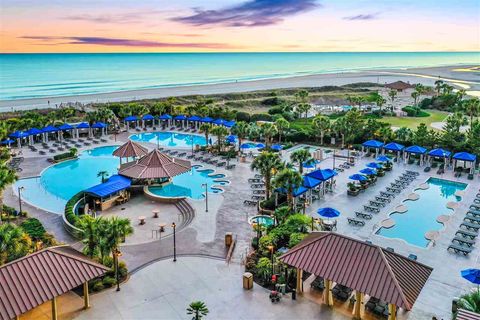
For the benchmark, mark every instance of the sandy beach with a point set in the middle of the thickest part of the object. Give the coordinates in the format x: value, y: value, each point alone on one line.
x: 462, y: 77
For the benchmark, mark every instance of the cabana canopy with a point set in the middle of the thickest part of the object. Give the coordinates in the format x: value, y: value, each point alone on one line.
x: 358, y: 177
x: 439, y: 153
x: 393, y: 146
x: 50, y: 129
x: 372, y: 144
x: 155, y: 165
x: 148, y: 117
x: 34, y: 131
x: 194, y: 118
x: 130, y: 149
x: 7, y: 141
x: 180, y: 117
x: 465, y: 156
x: 310, y: 182
x: 131, y: 118
x: 99, y: 125
x: 83, y: 125
x: 415, y: 149
x: 219, y: 122
x: 296, y: 192
x: 114, y: 184
x: 165, y: 117
x: 276, y: 147
x: 18, y: 134
x: 322, y: 174
x: 207, y: 119
x: 65, y: 126
x: 229, y: 124
x: 363, y: 267
x: 374, y: 165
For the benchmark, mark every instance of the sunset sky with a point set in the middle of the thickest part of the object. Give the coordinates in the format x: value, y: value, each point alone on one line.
x: 238, y: 25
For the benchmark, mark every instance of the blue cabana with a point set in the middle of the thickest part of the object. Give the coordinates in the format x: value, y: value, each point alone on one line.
x: 322, y: 174
x: 229, y: 124
x: 130, y: 118
x: 83, y: 125
x: 148, y: 117
x: 113, y: 185
x: 415, y: 150
x: 276, y: 147
x: 18, y: 135
x: 207, y: 120
x: 50, y: 128
x: 440, y: 153
x: 165, y: 117
x: 296, y: 192
x: 34, y: 131
x: 219, y: 122
x: 65, y: 127
x: 180, y: 117
x: 194, y: 118
x: 310, y: 182
x: 465, y: 157
x: 99, y: 125
x: 394, y: 147
x: 7, y: 142
x: 372, y: 144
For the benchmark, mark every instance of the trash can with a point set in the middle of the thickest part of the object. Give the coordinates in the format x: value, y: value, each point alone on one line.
x: 228, y: 239
x: 294, y: 294
x: 247, y: 281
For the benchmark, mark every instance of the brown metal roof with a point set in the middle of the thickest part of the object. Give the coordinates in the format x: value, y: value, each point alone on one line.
x: 155, y: 165
x: 130, y: 149
x: 463, y: 314
x: 361, y: 266
x: 39, y: 277
x: 399, y: 85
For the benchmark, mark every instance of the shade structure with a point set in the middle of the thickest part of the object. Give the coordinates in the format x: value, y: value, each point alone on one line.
x: 231, y: 138
x: 260, y: 145
x: 393, y: 146
x: 322, y: 174
x: 328, y: 212
x: 130, y: 149
x: 416, y: 149
x: 194, y: 118
x: 148, y: 117
x: 65, y: 126
x: 229, y: 124
x: 364, y: 267
x: 384, y: 159
x: 310, y: 182
x: 441, y: 153
x: 465, y: 156
x: 180, y: 117
x: 245, y: 146
x: 50, y: 129
x: 34, y: 131
x: 206, y: 119
x: 358, y: 177
x: 372, y: 144
x: 472, y: 275
x: 83, y: 125
x: 155, y: 165
x: 165, y: 117
x: 7, y: 141
x: 219, y: 122
x: 131, y: 118
x: 113, y: 185
x: 374, y: 165
x: 276, y: 147
x: 309, y: 164
x: 99, y: 125
x: 368, y: 171
x: 331, y: 172
x: 296, y: 192
x: 18, y: 135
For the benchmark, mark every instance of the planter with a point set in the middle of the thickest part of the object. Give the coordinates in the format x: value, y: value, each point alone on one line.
x: 243, y: 159
x: 353, y: 192
x: 380, y: 173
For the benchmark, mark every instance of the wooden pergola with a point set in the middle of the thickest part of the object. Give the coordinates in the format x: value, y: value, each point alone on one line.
x: 42, y: 276
x: 368, y: 269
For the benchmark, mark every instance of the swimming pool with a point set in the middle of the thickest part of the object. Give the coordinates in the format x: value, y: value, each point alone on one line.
x: 58, y: 183
x: 170, y: 139
x: 422, y: 214
x: 263, y: 220
x: 189, y: 184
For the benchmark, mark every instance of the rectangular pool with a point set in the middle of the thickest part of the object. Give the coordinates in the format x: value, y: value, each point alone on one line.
x: 422, y: 214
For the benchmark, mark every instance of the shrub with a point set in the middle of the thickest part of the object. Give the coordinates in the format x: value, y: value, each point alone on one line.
x: 34, y: 228
x: 273, y: 101
x: 263, y: 244
x: 70, y: 154
x: 415, y: 112
x: 295, y: 238
x: 260, y: 117
x: 108, y: 282
x: 98, y: 286
x: 264, y: 267
x: 243, y: 116
x: 70, y: 215
x: 8, y: 210
x: 275, y: 110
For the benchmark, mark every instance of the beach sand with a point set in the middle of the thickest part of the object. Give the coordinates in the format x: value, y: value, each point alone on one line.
x: 462, y: 77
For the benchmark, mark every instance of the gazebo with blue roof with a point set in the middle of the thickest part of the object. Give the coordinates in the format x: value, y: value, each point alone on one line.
x: 439, y: 153
x: 465, y: 157
x: 394, y: 147
x: 165, y: 117
x: 323, y: 175
x: 82, y: 126
x: 180, y: 118
x: 109, y: 192
x: 100, y: 125
x: 195, y: 120
x: 129, y: 120
x: 51, y: 129
x: 148, y: 117
x: 416, y: 150
x: 377, y: 145
x: 35, y: 132
x: 19, y: 135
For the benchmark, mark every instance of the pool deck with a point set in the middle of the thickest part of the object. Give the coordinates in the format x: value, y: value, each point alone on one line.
x: 227, y: 213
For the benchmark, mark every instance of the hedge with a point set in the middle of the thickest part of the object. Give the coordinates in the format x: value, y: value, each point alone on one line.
x: 34, y: 228
x: 63, y: 156
x: 70, y: 206
x: 415, y: 112
x: 260, y: 117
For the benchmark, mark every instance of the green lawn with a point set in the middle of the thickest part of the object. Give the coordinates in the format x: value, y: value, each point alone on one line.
x: 412, y: 123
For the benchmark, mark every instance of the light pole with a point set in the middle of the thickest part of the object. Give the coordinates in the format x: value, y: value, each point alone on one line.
x: 20, y: 189
x: 174, y: 243
x: 116, y: 254
x: 206, y: 196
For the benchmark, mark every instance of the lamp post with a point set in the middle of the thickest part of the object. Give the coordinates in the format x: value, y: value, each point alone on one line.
x: 206, y: 196
x: 174, y: 243
x: 116, y: 254
x: 20, y: 189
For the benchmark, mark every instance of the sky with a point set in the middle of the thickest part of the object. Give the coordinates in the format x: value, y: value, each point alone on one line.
x: 238, y: 25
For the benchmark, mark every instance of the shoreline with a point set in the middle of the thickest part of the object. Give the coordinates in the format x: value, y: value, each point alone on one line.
x: 462, y: 77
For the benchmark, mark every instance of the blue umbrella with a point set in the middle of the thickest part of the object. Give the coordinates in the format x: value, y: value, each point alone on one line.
x: 384, y: 159
x: 358, y: 177
x: 328, y: 212
x: 148, y: 117
x: 374, y: 165
x: 165, y: 117
x: 260, y: 145
x: 83, y: 125
x: 245, y: 146
x: 7, y: 141
x: 18, y: 135
x: 276, y: 147
x: 309, y: 164
x: 368, y: 171
x: 472, y: 275
x: 231, y: 138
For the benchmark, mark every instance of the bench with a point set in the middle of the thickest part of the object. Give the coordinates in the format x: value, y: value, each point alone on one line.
x: 466, y: 234
x: 363, y: 215
x: 250, y: 202
x: 470, y: 226
x: 459, y: 249
x: 356, y: 222
x: 371, y: 209
x: 464, y: 241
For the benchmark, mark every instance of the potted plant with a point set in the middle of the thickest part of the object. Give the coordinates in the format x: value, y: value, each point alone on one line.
x: 388, y: 166
x: 352, y: 189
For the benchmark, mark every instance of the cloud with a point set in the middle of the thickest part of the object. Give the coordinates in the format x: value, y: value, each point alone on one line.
x: 249, y: 14
x: 103, y: 41
x: 368, y: 16
x: 131, y: 17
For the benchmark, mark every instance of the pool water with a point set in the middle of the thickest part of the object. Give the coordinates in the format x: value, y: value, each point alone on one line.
x: 58, y: 183
x: 170, y: 139
x: 189, y: 184
x: 422, y: 214
x: 262, y: 220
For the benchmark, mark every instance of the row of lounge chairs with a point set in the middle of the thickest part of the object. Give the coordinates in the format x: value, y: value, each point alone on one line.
x: 14, y: 163
x: 258, y: 190
x: 344, y: 166
x: 381, y: 200
x: 466, y: 235
x: 202, y: 156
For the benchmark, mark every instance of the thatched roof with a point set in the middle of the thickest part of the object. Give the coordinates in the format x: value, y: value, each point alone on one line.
x: 399, y: 85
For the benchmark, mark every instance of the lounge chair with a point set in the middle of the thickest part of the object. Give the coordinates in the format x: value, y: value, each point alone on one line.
x: 427, y: 169
x: 473, y: 213
x: 474, y: 207
x: 318, y: 284
x: 231, y: 166
x: 464, y: 241
x: 466, y: 233
x: 377, y: 204
x: 254, y: 180
x: 356, y: 222
x: 382, y: 199
x: 470, y: 226
x: 250, y: 202
x: 371, y: 209
x: 472, y: 219
x: 388, y: 194
x: 392, y: 189
x: 363, y: 215
x: 258, y: 197
x: 460, y: 249
x: 412, y: 256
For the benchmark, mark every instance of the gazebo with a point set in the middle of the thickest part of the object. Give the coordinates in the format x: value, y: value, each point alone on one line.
x: 399, y: 86
x: 323, y: 175
x: 105, y: 195
x: 155, y: 166
x: 465, y: 157
x: 51, y: 129
x: 19, y: 135
x: 101, y: 126
x: 82, y: 126
x: 148, y: 117
x: 35, y: 132
x: 130, y: 149
x: 368, y: 269
x: 129, y: 119
x: 65, y: 127
x: 195, y: 120
x: 165, y: 117
x: 180, y: 118
x: 439, y: 153
x: 394, y: 147
x: 377, y: 145
x: 420, y: 151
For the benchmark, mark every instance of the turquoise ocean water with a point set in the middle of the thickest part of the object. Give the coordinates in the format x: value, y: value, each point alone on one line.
x: 24, y: 76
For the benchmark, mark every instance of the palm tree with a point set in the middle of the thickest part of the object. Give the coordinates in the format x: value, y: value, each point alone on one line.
x: 472, y: 108
x: 102, y: 174
x: 392, y: 94
x: 267, y: 163
x: 205, y: 128
x: 289, y: 180
x: 438, y: 86
x: 281, y: 125
x: 302, y: 102
x: 470, y: 301
x: 14, y: 243
x: 220, y: 132
x: 340, y: 126
x: 323, y: 125
x: 415, y: 95
x: 380, y: 101
x: 301, y: 156
x: 198, y: 309
x: 91, y: 236
x: 241, y: 129
x: 281, y: 214
x: 105, y: 115
x: 117, y: 229
x: 7, y: 177
x: 404, y: 134
x: 269, y: 130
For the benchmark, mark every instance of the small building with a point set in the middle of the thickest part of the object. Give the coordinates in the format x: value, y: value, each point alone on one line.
x: 33, y: 280
x: 400, y: 86
x: 105, y: 195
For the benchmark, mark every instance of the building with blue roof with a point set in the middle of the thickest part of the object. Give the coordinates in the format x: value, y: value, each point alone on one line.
x: 105, y: 195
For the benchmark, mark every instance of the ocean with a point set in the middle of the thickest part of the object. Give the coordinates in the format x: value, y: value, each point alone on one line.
x: 25, y: 76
